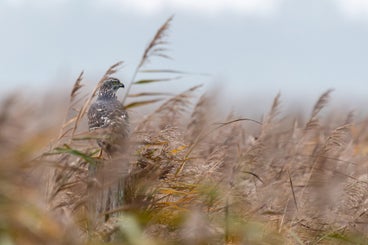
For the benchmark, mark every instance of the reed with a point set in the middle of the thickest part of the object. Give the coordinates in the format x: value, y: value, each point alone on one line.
x: 188, y: 175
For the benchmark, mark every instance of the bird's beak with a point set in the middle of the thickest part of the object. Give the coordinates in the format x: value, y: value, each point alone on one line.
x: 121, y: 85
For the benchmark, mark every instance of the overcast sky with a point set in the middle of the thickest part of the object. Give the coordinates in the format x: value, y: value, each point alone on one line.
x: 298, y: 47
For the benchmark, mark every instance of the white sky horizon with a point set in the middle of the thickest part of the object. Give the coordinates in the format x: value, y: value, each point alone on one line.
x: 254, y: 46
x: 355, y: 9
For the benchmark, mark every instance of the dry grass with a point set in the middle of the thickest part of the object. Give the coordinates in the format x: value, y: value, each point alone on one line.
x: 187, y: 175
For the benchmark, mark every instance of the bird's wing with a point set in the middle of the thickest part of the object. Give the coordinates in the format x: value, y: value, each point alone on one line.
x: 103, y: 114
x: 98, y: 116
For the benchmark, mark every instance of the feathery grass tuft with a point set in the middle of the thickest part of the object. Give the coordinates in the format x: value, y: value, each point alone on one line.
x: 187, y: 174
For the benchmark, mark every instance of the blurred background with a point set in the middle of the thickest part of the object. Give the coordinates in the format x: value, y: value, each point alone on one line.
x: 292, y: 177
x: 251, y: 49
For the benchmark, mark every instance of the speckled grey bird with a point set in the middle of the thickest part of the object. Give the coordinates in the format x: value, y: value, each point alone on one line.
x: 107, y: 114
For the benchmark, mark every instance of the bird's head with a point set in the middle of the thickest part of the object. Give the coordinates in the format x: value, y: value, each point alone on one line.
x: 109, y: 88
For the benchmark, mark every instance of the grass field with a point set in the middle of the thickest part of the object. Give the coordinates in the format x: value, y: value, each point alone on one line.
x: 187, y: 175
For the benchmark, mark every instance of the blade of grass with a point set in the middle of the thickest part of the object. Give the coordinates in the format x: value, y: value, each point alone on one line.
x: 145, y: 81
x: 142, y: 103
x: 149, y: 94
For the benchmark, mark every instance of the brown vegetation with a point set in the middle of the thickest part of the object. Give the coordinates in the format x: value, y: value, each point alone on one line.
x: 186, y: 176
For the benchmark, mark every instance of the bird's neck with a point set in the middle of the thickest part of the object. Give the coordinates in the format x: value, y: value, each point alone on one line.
x: 106, y: 95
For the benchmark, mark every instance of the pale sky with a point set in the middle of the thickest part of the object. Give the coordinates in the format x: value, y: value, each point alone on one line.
x: 250, y: 46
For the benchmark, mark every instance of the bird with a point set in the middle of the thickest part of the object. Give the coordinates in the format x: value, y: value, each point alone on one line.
x: 108, y: 116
